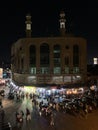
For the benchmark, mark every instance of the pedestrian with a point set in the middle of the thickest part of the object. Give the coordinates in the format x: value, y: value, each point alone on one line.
x: 2, y: 115
x: 0, y: 103
x: 19, y: 120
x: 22, y: 113
x: 40, y: 112
x: 52, y: 119
x: 85, y: 108
x: 28, y: 115
x: 16, y: 115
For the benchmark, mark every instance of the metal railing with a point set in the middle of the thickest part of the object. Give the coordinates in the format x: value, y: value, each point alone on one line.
x: 5, y: 126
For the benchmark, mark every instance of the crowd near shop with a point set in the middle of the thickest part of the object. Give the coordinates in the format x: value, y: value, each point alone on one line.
x: 59, y: 94
x: 54, y: 90
x: 48, y: 100
x: 73, y: 100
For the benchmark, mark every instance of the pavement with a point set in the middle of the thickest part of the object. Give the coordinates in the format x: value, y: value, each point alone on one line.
x: 63, y: 121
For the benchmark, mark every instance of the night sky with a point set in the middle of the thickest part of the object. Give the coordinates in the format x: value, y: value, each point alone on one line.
x: 81, y: 20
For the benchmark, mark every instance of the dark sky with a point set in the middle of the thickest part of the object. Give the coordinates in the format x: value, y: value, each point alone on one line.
x: 81, y: 20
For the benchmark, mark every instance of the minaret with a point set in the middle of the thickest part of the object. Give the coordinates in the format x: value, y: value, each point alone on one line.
x: 62, y: 23
x: 28, y: 26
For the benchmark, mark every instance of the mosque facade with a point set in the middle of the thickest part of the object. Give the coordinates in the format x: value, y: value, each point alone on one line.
x: 51, y: 60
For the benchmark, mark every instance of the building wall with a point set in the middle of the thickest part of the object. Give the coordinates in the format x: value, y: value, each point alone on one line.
x: 22, y: 74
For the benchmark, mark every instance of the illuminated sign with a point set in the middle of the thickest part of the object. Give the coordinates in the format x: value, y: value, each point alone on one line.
x: 30, y: 89
x: 1, y: 72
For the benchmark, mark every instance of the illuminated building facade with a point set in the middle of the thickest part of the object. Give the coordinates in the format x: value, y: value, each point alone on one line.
x: 49, y: 60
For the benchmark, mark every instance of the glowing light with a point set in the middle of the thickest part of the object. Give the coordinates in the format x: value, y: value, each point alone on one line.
x: 30, y: 89
x: 95, y: 61
x: 1, y: 72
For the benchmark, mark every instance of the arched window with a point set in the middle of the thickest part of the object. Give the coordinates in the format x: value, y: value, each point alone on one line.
x: 57, y: 59
x: 75, y: 59
x: 32, y: 55
x: 22, y: 64
x: 32, y: 51
x: 75, y: 55
x: 44, y: 58
x: 56, y: 52
x: 44, y: 54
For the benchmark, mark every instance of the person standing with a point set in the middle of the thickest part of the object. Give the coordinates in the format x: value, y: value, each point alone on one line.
x: 52, y: 119
x: 1, y: 103
x: 2, y: 115
x: 22, y: 113
x: 28, y: 115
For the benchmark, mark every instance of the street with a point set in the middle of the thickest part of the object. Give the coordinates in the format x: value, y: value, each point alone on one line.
x: 62, y: 121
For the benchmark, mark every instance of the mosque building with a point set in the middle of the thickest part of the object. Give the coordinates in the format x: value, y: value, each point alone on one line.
x: 42, y: 61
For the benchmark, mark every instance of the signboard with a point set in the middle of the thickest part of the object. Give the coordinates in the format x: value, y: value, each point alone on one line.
x: 1, y: 72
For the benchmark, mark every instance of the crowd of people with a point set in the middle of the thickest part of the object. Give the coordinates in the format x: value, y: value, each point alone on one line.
x: 48, y: 106
x: 79, y: 105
